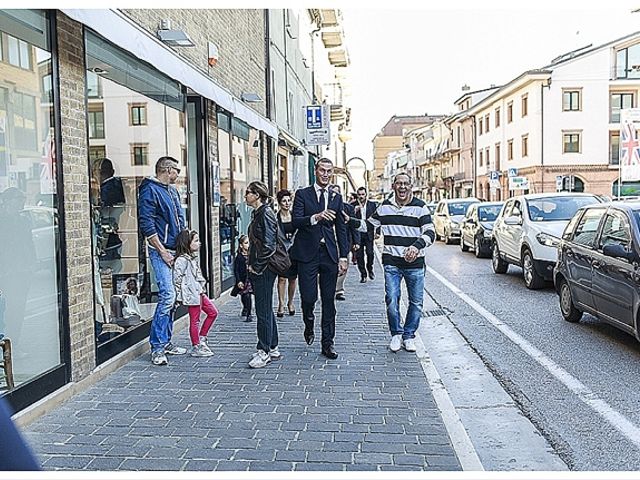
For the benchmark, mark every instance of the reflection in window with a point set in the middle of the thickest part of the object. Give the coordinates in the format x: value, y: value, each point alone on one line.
x: 29, y: 237
x: 125, y: 288
x: 96, y: 124
x: 615, y: 231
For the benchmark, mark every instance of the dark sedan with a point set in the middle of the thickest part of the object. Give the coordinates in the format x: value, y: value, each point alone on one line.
x: 598, y: 268
x: 476, y: 228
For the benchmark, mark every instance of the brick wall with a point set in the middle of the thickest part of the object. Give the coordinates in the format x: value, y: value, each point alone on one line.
x: 214, y: 212
x: 77, y: 233
x: 238, y: 33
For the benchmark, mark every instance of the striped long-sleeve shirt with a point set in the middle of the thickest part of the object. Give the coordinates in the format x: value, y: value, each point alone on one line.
x: 402, y: 227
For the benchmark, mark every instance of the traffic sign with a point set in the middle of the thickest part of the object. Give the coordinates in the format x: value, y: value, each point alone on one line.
x: 317, y: 129
x: 513, y: 172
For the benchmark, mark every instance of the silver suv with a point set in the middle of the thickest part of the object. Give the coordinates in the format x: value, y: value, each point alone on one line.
x: 449, y: 214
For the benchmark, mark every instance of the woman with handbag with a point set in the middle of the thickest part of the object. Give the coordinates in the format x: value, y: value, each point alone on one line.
x: 263, y: 238
x: 286, y: 283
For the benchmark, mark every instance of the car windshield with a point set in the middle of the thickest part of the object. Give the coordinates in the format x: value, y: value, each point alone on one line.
x: 553, y: 209
x: 488, y: 213
x: 458, y: 208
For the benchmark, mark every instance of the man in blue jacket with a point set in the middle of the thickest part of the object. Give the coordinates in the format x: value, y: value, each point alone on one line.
x: 161, y: 219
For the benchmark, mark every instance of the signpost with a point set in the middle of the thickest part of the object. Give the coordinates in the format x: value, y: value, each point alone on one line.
x: 317, y: 126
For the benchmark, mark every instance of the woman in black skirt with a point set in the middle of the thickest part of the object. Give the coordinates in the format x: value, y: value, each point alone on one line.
x: 284, y: 222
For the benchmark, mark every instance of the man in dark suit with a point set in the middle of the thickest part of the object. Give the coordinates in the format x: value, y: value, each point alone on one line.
x: 320, y: 250
x: 364, y: 209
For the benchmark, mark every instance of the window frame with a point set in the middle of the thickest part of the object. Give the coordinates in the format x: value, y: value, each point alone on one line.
x: 510, y: 149
x: 627, y: 229
x: 583, y: 218
x: 497, y: 117
x: 570, y: 106
x: 139, y: 107
x: 133, y: 147
x: 525, y: 145
x: 620, y: 93
x: 510, y: 112
x: 571, y: 133
x: 524, y: 105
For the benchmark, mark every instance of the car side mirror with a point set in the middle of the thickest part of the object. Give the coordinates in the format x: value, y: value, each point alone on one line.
x: 513, y: 220
x: 616, y: 250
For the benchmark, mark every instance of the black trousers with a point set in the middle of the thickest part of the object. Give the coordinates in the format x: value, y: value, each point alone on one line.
x: 322, y: 271
x: 245, y: 298
x: 266, y: 320
x: 366, y: 247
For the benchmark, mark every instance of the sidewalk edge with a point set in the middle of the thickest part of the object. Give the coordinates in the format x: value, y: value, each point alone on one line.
x: 460, y: 441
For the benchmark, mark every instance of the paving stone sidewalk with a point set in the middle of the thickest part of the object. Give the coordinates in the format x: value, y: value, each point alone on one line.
x: 370, y: 409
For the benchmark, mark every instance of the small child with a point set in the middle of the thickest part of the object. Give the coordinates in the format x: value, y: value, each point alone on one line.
x: 190, y: 284
x: 243, y: 284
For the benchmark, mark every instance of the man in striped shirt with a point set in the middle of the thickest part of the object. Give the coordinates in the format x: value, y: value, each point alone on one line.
x: 407, y: 228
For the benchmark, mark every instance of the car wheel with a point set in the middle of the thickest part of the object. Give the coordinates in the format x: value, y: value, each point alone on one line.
x: 476, y: 248
x: 568, y: 309
x: 498, y: 264
x: 463, y: 246
x: 532, y: 279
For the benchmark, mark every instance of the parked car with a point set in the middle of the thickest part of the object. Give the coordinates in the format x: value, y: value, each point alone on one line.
x: 477, y: 226
x: 527, y: 233
x: 598, y: 268
x: 449, y: 214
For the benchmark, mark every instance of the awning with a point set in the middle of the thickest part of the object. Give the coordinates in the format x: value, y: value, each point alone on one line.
x: 118, y: 29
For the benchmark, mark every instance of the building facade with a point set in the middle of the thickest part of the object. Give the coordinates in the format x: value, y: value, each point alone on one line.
x: 89, y: 100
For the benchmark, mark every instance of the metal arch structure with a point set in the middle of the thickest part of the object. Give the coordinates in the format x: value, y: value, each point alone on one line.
x: 364, y: 164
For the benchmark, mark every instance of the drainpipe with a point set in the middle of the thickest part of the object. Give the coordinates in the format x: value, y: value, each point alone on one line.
x: 268, y: 103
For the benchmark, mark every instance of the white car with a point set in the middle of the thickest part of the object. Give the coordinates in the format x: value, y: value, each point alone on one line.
x: 527, y: 233
x: 448, y: 215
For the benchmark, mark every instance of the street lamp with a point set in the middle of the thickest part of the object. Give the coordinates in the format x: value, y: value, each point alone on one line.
x: 364, y: 164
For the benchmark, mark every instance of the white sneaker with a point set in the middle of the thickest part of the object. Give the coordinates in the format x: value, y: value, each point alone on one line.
x: 274, y: 354
x: 261, y: 359
x: 172, y: 349
x: 200, y: 351
x: 409, y: 345
x: 205, y: 348
x: 396, y: 343
x: 159, y: 358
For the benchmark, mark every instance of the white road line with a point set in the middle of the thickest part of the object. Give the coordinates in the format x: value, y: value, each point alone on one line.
x: 618, y: 421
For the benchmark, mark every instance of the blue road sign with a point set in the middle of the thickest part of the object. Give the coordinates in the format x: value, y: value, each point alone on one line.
x: 314, y: 117
x: 513, y: 172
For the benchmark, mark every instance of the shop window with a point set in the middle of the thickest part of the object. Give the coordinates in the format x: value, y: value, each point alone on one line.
x: 123, y: 275
x: 138, y: 114
x: 30, y: 236
x: 140, y: 155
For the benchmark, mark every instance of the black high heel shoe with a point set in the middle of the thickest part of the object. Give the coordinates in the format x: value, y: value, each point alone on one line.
x: 292, y: 311
x: 279, y: 314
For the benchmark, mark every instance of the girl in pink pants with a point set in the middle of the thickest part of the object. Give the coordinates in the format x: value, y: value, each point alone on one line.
x: 190, y: 290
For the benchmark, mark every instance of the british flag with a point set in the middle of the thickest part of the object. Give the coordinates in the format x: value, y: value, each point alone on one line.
x: 629, y: 145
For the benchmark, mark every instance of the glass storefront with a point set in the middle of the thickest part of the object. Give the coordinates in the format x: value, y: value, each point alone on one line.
x: 239, y: 157
x: 29, y: 238
x: 135, y: 116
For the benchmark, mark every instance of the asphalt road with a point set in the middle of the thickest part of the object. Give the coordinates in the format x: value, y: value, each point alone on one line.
x: 577, y: 383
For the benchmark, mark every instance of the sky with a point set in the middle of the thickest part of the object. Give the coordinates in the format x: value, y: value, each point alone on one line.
x: 412, y: 61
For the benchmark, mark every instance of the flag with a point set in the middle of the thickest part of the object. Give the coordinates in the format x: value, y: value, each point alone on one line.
x: 629, y: 151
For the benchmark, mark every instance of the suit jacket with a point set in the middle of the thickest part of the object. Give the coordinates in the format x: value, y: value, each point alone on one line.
x: 307, y: 239
x: 353, y: 235
x: 370, y: 207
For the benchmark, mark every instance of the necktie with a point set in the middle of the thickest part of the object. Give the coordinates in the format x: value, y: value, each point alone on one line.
x: 322, y: 200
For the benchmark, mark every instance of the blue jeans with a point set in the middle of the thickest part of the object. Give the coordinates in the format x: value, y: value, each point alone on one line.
x: 267, y: 328
x: 162, y: 323
x: 414, y: 280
